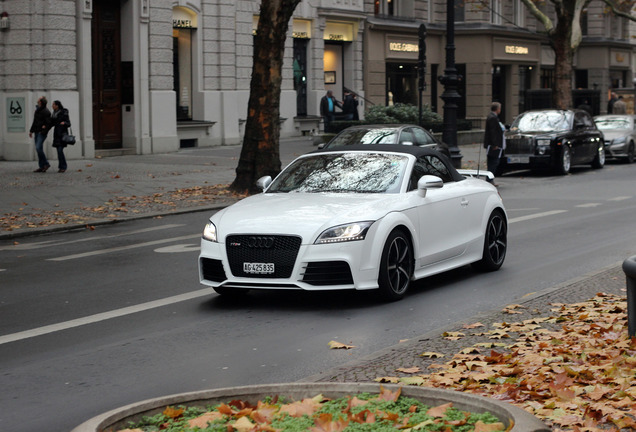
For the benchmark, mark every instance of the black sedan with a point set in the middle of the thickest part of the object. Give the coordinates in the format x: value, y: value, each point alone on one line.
x: 553, y: 140
x: 384, y: 134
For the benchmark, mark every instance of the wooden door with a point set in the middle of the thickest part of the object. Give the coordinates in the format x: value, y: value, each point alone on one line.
x: 106, y: 46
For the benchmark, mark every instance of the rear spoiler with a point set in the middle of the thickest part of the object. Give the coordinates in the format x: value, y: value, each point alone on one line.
x: 480, y: 174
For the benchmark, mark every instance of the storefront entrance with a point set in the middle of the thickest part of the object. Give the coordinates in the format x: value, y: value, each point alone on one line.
x: 401, y: 83
x: 106, y: 66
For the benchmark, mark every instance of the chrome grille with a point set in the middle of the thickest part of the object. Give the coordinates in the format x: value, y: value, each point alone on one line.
x: 519, y: 145
x: 278, y: 250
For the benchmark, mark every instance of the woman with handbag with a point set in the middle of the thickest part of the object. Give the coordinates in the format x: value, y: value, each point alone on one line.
x: 60, y: 123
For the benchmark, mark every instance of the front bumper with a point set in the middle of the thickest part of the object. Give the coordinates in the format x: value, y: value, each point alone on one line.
x: 316, y: 268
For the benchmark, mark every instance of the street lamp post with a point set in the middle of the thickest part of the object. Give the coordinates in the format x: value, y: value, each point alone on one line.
x: 449, y: 80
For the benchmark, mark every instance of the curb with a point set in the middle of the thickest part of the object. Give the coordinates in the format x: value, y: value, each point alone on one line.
x: 515, y: 419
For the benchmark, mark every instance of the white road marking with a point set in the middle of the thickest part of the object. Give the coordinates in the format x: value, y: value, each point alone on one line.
x: 39, y: 245
x: 179, y: 248
x: 535, y: 216
x: 123, y: 248
x: 104, y: 316
x: 589, y: 205
x: 620, y: 198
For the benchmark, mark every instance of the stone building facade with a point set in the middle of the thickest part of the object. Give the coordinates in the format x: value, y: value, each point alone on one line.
x: 141, y: 77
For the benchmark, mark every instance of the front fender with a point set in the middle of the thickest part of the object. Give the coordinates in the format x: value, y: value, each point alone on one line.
x: 380, y: 231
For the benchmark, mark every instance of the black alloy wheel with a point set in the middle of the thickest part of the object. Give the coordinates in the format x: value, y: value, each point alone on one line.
x: 396, y: 266
x: 495, y: 243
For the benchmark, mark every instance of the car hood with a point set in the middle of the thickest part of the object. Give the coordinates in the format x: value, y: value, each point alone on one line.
x: 612, y: 134
x: 303, y: 214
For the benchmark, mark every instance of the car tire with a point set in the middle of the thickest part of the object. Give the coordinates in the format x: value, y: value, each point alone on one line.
x: 396, y: 266
x: 565, y: 162
x: 630, y: 153
x: 599, y: 159
x: 495, y: 243
x: 231, y: 292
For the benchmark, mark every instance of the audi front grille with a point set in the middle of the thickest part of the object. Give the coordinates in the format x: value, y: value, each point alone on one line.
x: 281, y: 251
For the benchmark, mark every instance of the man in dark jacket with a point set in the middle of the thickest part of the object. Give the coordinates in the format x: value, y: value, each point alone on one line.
x: 350, y: 106
x: 40, y: 127
x: 493, y: 138
x: 328, y: 105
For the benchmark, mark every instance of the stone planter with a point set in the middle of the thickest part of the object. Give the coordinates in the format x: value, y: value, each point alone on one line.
x: 515, y: 419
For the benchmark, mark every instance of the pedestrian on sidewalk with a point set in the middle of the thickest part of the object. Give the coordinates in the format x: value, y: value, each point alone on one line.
x: 328, y: 105
x: 60, y: 122
x: 494, y: 138
x: 350, y: 106
x: 40, y: 127
x: 620, y: 107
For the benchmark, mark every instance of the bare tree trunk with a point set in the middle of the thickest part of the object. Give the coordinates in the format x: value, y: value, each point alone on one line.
x: 260, y: 154
x: 562, y: 41
x: 562, y: 91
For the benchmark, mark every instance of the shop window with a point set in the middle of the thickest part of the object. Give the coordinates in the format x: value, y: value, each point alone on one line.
x: 401, y: 83
x: 182, y: 70
x: 547, y: 78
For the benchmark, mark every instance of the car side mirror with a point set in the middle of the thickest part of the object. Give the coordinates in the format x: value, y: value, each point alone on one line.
x: 321, y: 145
x: 427, y: 182
x: 263, y: 182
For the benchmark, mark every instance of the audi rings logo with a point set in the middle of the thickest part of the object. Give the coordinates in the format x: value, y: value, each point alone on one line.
x: 260, y: 242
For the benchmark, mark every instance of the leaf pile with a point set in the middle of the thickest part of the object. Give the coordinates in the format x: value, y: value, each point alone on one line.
x: 384, y: 412
x: 575, y: 370
x: 117, y: 207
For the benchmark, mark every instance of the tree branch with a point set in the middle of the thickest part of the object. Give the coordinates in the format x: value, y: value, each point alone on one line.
x: 615, y: 9
x: 543, y: 18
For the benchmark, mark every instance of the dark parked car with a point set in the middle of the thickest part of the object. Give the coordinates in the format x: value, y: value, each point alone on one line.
x: 553, y: 140
x: 620, y: 135
x: 384, y: 134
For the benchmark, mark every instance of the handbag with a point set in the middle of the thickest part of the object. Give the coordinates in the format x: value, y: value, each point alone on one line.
x: 68, y: 138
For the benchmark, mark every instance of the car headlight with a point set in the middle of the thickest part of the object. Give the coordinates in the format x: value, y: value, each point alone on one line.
x: 345, y: 233
x: 209, y: 232
x: 620, y: 140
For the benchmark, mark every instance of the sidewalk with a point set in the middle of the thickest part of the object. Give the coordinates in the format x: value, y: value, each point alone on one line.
x: 105, y: 190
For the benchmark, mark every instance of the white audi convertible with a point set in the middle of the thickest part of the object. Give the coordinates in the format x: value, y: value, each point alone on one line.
x: 363, y: 217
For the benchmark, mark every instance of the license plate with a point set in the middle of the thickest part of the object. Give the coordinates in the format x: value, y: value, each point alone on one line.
x: 258, y: 268
x: 518, y: 159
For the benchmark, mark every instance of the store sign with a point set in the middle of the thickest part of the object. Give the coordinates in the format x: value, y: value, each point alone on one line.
x: 183, y: 18
x: 180, y: 23
x: 16, y: 117
x: 516, y: 49
x: 403, y: 47
x: 340, y: 32
x: 301, y: 29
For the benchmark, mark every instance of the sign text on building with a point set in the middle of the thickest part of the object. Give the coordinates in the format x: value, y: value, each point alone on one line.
x: 403, y: 47
x: 515, y: 49
x: 181, y: 23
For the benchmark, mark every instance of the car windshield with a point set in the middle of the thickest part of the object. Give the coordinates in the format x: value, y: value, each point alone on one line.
x: 613, y: 123
x: 542, y: 121
x: 364, y: 136
x: 343, y: 172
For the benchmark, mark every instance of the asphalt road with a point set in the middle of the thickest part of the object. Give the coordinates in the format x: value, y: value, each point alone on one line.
x: 93, y: 320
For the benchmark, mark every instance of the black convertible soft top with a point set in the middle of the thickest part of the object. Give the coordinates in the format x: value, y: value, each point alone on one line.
x: 397, y: 148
